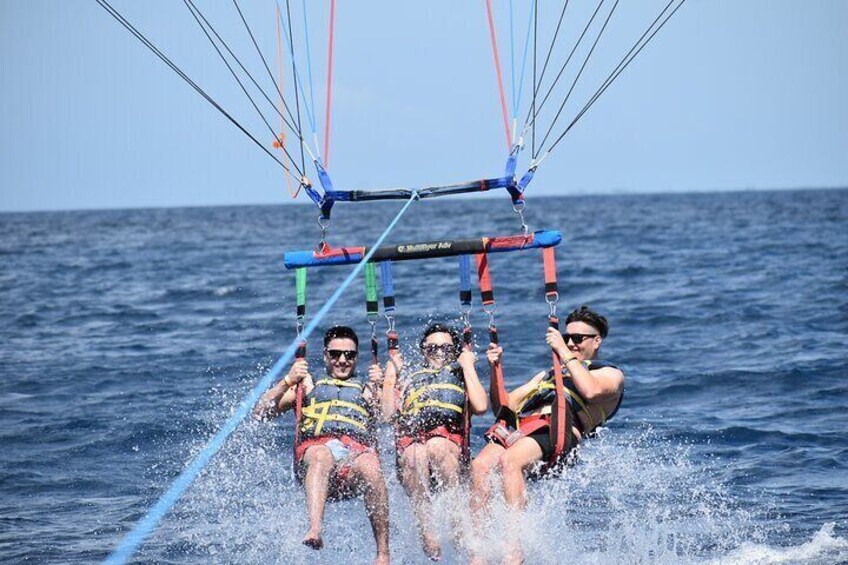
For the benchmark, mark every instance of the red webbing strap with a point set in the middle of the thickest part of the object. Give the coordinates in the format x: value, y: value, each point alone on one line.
x: 560, y: 416
x: 300, y: 315
x: 497, y: 390
x: 494, y: 37
x: 466, y: 435
x: 487, y: 295
x: 549, y: 261
x: 329, y: 86
x: 298, y: 409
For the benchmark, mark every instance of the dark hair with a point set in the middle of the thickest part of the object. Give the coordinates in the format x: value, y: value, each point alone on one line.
x: 588, y: 316
x: 440, y: 328
x: 340, y: 332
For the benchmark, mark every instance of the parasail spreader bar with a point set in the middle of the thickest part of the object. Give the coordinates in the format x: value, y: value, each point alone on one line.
x: 423, y: 250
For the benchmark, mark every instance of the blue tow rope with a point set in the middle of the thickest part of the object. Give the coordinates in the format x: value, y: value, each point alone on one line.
x: 145, y: 526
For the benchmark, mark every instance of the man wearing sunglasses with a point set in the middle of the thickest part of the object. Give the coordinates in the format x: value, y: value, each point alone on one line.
x: 431, y: 406
x: 336, y: 456
x: 594, y: 389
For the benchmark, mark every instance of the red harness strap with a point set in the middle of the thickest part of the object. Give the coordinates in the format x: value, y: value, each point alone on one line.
x: 561, y: 418
x: 402, y: 442
x: 497, y: 390
x: 298, y: 409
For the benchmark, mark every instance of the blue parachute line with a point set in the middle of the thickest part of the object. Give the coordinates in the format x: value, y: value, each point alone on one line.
x: 309, y: 110
x: 517, y: 103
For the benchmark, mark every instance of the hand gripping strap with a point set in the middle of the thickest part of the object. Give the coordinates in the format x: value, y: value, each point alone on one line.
x: 298, y: 412
x: 561, y: 417
x: 392, y: 340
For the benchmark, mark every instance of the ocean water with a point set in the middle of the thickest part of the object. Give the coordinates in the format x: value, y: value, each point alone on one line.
x: 128, y: 337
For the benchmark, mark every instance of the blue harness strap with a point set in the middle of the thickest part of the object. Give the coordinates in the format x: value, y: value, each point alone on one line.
x: 465, y: 280
x: 388, y: 287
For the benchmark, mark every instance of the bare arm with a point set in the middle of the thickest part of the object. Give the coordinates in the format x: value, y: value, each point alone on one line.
x: 598, y: 385
x: 389, y: 394
x: 281, y: 397
x: 477, y: 397
x: 495, y: 354
x: 519, y: 394
x: 373, y: 389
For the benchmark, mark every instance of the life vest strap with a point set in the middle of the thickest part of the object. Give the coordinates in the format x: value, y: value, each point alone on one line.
x: 338, y: 382
x: 418, y: 392
x: 318, y: 423
x: 420, y: 405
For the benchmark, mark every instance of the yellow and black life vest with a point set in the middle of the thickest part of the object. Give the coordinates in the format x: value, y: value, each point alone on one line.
x: 433, y: 398
x: 542, y: 397
x: 337, y: 407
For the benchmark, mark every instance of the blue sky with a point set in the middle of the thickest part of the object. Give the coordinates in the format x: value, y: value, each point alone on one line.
x: 730, y: 95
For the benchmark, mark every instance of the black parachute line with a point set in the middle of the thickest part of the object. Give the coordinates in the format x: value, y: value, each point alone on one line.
x: 625, y: 61
x: 198, y: 17
x: 156, y: 51
x: 288, y: 121
x: 534, y: 112
x: 295, y: 80
x: 580, y: 72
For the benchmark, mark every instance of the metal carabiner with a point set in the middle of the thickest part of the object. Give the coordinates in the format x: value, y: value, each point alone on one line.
x: 465, y: 317
x: 490, y: 313
x: 552, y: 300
x: 324, y: 224
x: 519, y: 209
x: 390, y: 322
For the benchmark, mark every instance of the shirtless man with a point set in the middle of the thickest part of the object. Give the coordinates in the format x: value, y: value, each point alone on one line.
x: 595, y: 392
x: 336, y: 454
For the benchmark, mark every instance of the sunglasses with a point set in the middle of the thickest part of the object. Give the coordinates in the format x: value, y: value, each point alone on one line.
x: 432, y: 348
x: 576, y: 338
x: 335, y: 354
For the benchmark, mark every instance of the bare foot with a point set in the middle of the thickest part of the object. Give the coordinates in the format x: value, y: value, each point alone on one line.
x: 313, y: 540
x: 515, y: 556
x: 381, y: 559
x: 431, y: 547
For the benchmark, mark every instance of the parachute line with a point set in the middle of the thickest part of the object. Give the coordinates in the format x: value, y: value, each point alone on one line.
x: 156, y: 51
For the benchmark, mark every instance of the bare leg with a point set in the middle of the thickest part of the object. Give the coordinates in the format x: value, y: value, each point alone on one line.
x: 367, y: 477
x: 443, y: 456
x: 518, y: 457
x: 481, y: 467
x: 319, y: 464
x: 415, y: 477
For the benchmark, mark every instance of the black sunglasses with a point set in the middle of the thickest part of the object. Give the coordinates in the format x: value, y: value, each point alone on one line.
x: 335, y: 354
x: 576, y: 338
x: 432, y: 348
